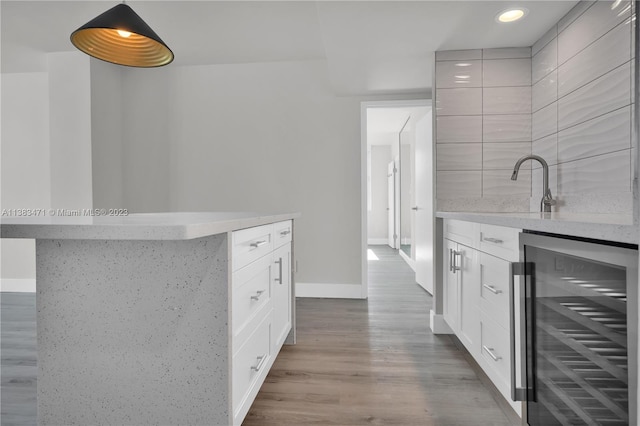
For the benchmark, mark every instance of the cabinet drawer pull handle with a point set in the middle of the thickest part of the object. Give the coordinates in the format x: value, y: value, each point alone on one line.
x: 261, y: 359
x: 493, y: 240
x: 492, y: 289
x: 286, y: 232
x: 257, y: 295
x: 279, y: 279
x: 450, y: 260
x: 455, y: 266
x: 258, y: 243
x: 491, y: 354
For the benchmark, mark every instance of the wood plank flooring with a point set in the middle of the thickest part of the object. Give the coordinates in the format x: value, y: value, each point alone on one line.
x: 357, y: 362
x: 373, y: 362
x: 18, y: 369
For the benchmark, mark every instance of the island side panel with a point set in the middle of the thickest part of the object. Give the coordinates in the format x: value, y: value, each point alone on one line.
x: 133, y: 332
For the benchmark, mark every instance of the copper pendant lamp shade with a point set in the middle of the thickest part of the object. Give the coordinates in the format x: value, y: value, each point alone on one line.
x: 120, y: 36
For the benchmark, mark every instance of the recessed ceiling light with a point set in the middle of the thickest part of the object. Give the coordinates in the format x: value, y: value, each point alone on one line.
x: 511, y: 15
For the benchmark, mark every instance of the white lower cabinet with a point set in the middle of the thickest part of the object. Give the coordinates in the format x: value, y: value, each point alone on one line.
x: 281, y: 295
x: 476, y: 291
x: 249, y: 368
x: 261, y: 308
x: 462, y: 292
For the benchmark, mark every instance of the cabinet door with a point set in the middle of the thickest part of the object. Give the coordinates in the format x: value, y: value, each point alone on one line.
x: 469, y: 290
x: 450, y: 285
x: 281, y: 294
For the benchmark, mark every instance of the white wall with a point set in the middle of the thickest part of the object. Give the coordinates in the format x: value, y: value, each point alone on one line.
x: 378, y: 216
x: 25, y: 163
x: 107, y: 114
x: 46, y: 150
x: 257, y: 137
x: 70, y: 130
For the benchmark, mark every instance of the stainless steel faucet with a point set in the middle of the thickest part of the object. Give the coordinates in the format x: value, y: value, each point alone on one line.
x: 547, y: 200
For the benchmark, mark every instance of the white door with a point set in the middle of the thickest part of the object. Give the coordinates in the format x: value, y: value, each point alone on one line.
x: 391, y: 185
x: 423, y: 193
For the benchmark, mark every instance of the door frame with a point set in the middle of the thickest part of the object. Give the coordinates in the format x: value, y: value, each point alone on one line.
x: 364, y: 106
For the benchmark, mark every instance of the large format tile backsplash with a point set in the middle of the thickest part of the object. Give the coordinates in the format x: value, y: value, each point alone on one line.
x: 568, y: 98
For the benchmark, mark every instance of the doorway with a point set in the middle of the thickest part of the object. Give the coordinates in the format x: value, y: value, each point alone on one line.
x: 397, y: 183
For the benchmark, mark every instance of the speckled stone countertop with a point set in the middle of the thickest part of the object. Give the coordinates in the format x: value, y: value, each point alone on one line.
x: 142, y: 226
x: 609, y: 227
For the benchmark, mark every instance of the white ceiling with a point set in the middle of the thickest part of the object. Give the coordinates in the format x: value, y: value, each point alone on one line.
x: 370, y: 47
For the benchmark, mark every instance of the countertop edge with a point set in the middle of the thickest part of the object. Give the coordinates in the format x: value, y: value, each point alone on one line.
x: 137, y: 231
x: 615, y: 232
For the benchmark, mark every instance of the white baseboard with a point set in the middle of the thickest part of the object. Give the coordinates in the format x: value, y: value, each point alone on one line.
x: 329, y: 291
x: 378, y: 241
x: 438, y: 324
x: 410, y: 261
x: 18, y: 285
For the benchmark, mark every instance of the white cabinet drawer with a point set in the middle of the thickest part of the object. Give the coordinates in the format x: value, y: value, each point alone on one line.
x: 494, y: 288
x: 250, y: 244
x: 282, y: 232
x: 500, y: 241
x: 250, y: 366
x: 462, y: 232
x: 495, y: 353
x: 250, y: 292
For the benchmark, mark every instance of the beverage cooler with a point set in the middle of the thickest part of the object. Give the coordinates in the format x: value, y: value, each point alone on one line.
x: 575, y: 322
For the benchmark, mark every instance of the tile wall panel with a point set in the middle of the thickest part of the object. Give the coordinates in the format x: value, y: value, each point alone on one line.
x: 461, y: 184
x: 594, y: 23
x: 590, y: 138
x: 607, y: 133
x: 459, y: 156
x: 608, y: 52
x: 545, y: 91
x: 545, y: 61
x: 506, y: 128
x: 506, y: 72
x: 498, y: 183
x: 548, y: 37
x: 544, y: 122
x: 603, y: 173
x: 507, y: 53
x: 574, y: 14
x: 474, y: 141
x: 449, y: 74
x: 607, y: 93
x: 459, y: 101
x: 458, y: 55
x: 506, y: 100
x: 504, y: 155
x: 459, y: 128
x: 546, y: 148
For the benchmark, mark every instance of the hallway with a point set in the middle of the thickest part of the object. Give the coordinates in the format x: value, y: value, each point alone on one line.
x: 363, y: 362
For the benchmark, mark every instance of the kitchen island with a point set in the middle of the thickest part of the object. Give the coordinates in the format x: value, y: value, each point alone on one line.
x: 169, y: 318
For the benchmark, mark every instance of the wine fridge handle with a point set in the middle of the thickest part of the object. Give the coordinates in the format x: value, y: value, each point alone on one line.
x: 517, y: 270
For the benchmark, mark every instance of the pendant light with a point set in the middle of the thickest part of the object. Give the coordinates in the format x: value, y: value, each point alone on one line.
x: 120, y: 36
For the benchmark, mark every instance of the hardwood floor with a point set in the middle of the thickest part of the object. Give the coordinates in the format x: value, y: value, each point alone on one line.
x: 18, y: 369
x: 375, y: 361
x: 357, y: 362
